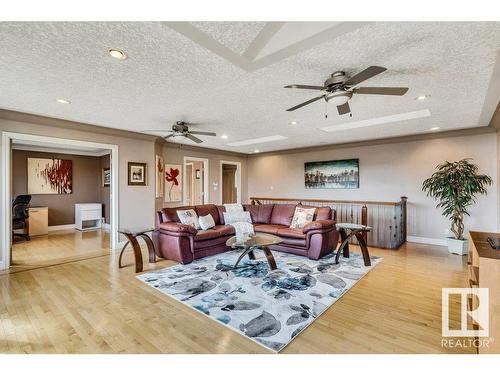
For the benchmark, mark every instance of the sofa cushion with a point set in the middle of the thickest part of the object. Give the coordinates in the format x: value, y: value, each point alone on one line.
x: 206, y: 222
x: 224, y: 230
x: 321, y: 213
x: 302, y: 216
x: 291, y: 232
x: 205, y: 209
x: 268, y: 228
x: 210, y: 242
x: 260, y: 213
x: 282, y: 214
x: 170, y: 213
x: 220, y: 210
x: 208, y: 234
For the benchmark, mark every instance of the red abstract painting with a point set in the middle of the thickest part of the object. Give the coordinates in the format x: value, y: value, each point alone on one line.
x: 50, y: 176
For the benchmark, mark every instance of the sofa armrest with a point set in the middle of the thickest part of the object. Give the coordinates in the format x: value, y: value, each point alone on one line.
x: 178, y: 228
x: 318, y: 225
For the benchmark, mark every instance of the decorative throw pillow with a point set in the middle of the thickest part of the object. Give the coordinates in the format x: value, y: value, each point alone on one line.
x: 301, y: 217
x: 188, y: 217
x: 237, y: 217
x: 206, y: 222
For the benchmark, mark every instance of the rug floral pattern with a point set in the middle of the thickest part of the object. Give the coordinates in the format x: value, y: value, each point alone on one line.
x: 270, y: 307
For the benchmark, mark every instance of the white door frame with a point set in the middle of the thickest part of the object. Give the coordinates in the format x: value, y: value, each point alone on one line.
x: 6, y: 214
x: 206, y: 192
x: 238, y: 179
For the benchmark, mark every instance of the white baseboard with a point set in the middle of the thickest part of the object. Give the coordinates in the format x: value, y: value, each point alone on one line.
x: 61, y: 227
x: 427, y: 240
x: 2, y: 265
x: 106, y: 226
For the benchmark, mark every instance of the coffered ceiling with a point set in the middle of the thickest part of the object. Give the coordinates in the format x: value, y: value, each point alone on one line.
x: 228, y: 77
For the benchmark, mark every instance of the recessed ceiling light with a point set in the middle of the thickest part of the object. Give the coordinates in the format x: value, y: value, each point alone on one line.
x: 422, y: 97
x: 435, y: 128
x: 223, y: 136
x: 293, y: 122
x: 63, y: 101
x: 117, y: 54
x: 256, y: 151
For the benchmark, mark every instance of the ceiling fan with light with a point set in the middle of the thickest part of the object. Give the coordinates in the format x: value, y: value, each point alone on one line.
x: 181, y: 129
x: 339, y: 88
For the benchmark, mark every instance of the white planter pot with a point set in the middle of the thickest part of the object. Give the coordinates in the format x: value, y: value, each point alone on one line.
x: 459, y: 247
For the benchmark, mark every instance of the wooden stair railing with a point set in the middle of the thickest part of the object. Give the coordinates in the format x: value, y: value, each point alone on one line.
x: 387, y: 219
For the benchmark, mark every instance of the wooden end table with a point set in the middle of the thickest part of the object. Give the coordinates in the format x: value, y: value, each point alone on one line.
x: 257, y: 242
x: 349, y: 230
x: 132, y: 236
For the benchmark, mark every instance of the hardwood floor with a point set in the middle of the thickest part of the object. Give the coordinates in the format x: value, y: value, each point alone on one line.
x: 90, y: 306
x: 58, y: 247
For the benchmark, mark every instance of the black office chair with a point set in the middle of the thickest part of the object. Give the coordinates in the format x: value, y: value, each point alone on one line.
x: 20, y: 216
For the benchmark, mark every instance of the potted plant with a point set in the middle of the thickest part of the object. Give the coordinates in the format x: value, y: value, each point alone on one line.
x: 455, y: 185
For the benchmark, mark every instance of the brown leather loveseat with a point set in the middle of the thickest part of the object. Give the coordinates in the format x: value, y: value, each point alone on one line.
x: 183, y: 243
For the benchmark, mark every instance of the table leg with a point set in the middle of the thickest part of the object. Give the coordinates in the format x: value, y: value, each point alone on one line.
x: 247, y: 251
x: 151, y: 248
x: 251, y: 255
x: 121, y: 254
x: 344, y: 246
x: 344, y: 237
x: 137, y: 252
x: 364, y: 248
x: 270, y: 258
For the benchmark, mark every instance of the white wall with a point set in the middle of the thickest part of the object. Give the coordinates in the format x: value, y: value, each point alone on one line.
x: 387, y: 172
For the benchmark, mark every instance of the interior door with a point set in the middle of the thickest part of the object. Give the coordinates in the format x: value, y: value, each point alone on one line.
x: 229, y: 188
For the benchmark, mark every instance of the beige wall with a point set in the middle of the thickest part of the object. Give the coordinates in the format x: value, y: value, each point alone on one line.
x: 136, y: 203
x: 387, y: 172
x: 173, y: 154
x: 86, y: 184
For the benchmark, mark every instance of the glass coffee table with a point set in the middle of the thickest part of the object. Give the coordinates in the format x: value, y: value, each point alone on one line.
x: 260, y: 241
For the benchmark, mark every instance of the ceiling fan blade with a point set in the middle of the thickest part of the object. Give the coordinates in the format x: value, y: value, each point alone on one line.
x: 204, y: 133
x: 344, y: 108
x: 381, y: 90
x: 305, y: 103
x: 193, y: 138
x: 169, y: 136
x: 307, y: 87
x: 368, y: 73
x: 158, y: 130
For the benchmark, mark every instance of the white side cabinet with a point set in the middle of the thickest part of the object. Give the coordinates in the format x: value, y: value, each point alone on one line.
x: 88, y: 216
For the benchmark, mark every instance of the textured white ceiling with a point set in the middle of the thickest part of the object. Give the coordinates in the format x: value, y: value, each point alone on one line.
x: 170, y: 77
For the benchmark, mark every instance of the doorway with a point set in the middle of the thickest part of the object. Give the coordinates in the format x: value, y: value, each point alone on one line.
x: 195, y: 181
x: 230, y: 182
x: 49, y: 231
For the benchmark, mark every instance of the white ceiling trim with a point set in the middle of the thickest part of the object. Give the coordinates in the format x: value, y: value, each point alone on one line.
x: 55, y: 150
x: 254, y: 141
x: 245, y: 61
x: 377, y: 121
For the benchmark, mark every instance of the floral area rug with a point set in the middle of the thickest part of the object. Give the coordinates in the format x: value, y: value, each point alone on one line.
x: 269, y: 307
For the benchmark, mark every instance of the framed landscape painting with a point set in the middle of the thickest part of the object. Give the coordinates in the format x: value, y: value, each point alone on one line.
x: 333, y: 174
x: 173, y: 187
x: 50, y: 176
x: 137, y: 174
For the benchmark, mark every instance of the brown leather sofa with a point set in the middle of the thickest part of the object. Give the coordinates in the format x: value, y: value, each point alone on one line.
x: 183, y: 243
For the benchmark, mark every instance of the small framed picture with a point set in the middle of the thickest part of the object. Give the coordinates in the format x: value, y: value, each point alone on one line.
x: 137, y: 173
x: 106, y: 177
x: 198, y: 174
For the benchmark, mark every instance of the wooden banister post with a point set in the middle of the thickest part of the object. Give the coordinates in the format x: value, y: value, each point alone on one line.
x: 364, y: 220
x: 404, y: 218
